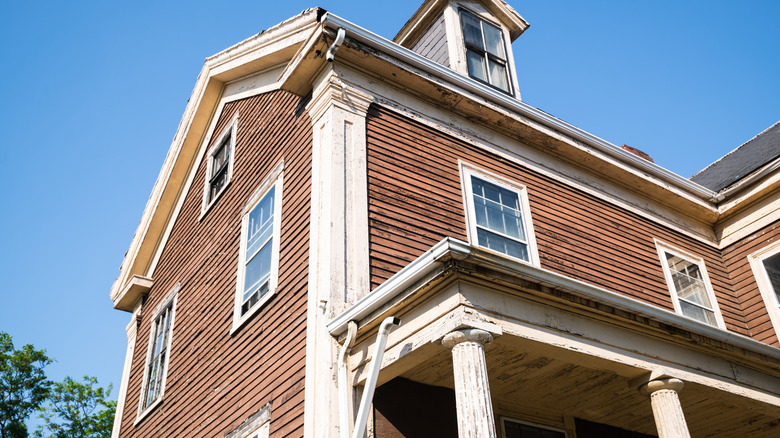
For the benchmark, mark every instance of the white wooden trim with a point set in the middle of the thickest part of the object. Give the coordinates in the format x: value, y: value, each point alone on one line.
x: 231, y: 129
x: 466, y: 172
x: 764, y: 286
x: 664, y: 248
x: 171, y: 300
x: 274, y: 180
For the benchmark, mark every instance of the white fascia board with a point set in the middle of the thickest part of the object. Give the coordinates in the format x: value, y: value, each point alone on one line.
x: 430, y: 261
x: 624, y: 159
x: 208, y: 87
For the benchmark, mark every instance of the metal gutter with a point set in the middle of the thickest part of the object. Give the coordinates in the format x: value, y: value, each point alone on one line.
x: 429, y: 262
x: 367, y: 37
x: 747, y: 181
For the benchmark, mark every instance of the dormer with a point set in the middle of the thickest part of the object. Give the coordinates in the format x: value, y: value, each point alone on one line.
x: 471, y: 37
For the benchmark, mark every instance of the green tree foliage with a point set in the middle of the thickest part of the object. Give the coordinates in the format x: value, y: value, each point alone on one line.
x: 77, y: 410
x: 23, y: 385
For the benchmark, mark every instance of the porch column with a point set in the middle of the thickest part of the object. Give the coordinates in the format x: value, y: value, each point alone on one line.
x: 472, y: 392
x: 667, y: 411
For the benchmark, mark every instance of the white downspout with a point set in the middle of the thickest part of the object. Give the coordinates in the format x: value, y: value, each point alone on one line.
x: 344, y: 422
x: 376, y: 363
x: 330, y: 56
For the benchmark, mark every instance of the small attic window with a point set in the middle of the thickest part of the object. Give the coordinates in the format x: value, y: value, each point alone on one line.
x: 485, y: 51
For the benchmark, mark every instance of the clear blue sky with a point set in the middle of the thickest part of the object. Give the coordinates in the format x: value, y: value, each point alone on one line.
x: 94, y: 92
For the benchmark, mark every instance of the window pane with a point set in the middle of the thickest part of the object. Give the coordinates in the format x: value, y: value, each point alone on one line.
x: 260, y: 224
x: 772, y: 266
x: 221, y: 157
x: 494, y: 42
x: 472, y: 31
x: 688, y: 281
x: 476, y: 65
x: 156, y: 368
x: 257, y: 270
x: 502, y: 244
x: 698, y: 313
x: 499, y: 220
x: 498, y: 76
x: 500, y: 212
x: 480, y: 211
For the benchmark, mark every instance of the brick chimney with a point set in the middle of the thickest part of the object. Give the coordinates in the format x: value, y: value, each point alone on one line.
x: 637, y: 152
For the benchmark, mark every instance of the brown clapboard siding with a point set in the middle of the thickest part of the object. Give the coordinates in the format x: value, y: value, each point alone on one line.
x: 216, y: 380
x: 415, y: 200
x: 736, y: 258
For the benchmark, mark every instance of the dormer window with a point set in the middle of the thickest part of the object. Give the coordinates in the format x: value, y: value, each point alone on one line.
x: 485, y: 51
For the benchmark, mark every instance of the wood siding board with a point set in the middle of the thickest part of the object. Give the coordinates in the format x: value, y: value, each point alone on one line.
x: 203, y: 256
x: 735, y: 256
x: 577, y: 234
x: 433, y: 43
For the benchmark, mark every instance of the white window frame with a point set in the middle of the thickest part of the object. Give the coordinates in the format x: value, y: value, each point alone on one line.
x: 257, y: 425
x: 467, y: 172
x: 229, y: 133
x: 169, y: 301
x: 273, y: 181
x: 664, y: 248
x: 764, y: 285
x: 528, y: 423
x: 486, y: 55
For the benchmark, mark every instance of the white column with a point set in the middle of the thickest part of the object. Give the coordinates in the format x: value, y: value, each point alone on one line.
x: 338, y: 245
x: 472, y: 391
x: 667, y: 410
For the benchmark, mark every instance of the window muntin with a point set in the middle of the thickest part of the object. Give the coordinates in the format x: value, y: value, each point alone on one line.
x: 161, y: 329
x: 486, y: 57
x: 259, y: 253
x: 498, y: 216
x: 689, y: 286
x: 158, y: 354
x: 219, y: 168
x: 521, y: 429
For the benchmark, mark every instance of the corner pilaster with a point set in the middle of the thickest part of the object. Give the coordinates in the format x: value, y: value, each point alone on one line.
x: 132, y: 330
x: 338, y: 249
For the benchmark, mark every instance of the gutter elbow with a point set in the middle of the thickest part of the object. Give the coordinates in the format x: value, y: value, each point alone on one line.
x: 331, y: 55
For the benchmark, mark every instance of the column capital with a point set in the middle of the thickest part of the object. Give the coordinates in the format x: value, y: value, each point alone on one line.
x: 331, y: 90
x: 456, y: 337
x: 669, y: 383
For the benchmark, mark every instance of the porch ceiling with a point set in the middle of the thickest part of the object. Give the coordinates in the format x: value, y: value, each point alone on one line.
x: 530, y: 378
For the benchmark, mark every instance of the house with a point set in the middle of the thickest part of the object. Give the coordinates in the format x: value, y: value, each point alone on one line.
x: 341, y: 216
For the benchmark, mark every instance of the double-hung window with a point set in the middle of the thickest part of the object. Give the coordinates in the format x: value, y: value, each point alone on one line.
x: 259, y: 256
x: 219, y: 168
x: 766, y: 269
x: 498, y: 216
x: 486, y: 56
x: 689, y: 286
x: 158, y: 354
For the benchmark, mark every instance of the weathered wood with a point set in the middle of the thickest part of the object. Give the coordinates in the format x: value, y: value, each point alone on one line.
x: 472, y: 390
x: 667, y: 410
x: 264, y: 360
x: 415, y: 200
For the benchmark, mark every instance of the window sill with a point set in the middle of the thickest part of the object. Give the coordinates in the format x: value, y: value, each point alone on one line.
x: 142, y: 414
x: 239, y: 322
x: 204, y: 210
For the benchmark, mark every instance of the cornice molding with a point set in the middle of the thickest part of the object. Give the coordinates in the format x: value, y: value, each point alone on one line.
x: 331, y: 91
